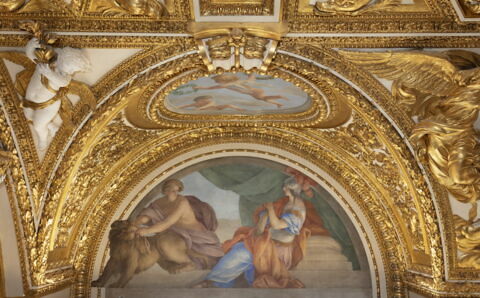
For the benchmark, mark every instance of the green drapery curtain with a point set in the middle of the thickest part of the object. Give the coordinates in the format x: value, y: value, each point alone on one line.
x: 258, y: 184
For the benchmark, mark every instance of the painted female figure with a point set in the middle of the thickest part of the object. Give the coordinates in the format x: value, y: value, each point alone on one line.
x: 266, y: 252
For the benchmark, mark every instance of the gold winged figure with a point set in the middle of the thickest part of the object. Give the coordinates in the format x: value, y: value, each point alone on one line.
x: 441, y: 91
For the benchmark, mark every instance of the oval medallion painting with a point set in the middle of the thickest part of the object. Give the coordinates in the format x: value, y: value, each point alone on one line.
x: 236, y: 227
x: 237, y: 93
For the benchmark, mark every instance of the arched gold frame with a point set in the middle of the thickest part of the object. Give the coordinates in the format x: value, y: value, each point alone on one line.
x: 401, y: 271
x: 255, y: 150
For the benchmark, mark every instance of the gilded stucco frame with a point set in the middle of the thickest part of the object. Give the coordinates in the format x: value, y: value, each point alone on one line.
x: 108, y: 108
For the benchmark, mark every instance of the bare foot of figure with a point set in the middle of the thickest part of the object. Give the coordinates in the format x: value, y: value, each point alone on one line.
x: 204, y: 284
x: 183, y: 268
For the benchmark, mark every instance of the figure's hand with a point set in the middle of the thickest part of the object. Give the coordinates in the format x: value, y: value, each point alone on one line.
x: 142, y: 232
x: 132, y: 228
x: 268, y: 205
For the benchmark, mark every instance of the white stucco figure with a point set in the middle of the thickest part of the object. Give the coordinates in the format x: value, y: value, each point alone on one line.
x: 49, y: 82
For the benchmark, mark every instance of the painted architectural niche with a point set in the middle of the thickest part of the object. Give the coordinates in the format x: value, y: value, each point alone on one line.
x: 237, y: 93
x: 235, y: 222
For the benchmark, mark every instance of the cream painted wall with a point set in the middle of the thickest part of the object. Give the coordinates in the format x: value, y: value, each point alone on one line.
x: 11, y: 259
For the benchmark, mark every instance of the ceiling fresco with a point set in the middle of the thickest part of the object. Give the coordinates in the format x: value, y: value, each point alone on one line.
x: 238, y: 93
x: 365, y: 108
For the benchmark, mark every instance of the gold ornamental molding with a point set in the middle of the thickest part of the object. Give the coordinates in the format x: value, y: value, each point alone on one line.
x: 89, y: 169
x: 231, y: 46
x: 76, y: 202
x: 444, y: 136
x: 173, y: 16
x: 236, y: 7
x: 147, y: 108
x: 403, y: 215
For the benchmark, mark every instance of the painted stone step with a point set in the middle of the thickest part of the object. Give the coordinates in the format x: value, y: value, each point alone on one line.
x: 323, y: 242
x: 324, y: 265
x: 323, y: 255
x: 322, y: 279
x: 239, y: 293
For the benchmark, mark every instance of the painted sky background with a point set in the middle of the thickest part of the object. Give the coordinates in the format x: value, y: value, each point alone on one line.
x: 225, y: 203
x: 298, y: 99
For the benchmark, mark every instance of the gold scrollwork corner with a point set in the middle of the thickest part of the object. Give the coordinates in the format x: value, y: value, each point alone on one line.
x: 441, y: 90
x: 355, y: 7
x: 231, y: 46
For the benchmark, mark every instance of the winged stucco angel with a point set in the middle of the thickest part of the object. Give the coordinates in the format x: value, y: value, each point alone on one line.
x: 46, y: 80
x: 441, y: 92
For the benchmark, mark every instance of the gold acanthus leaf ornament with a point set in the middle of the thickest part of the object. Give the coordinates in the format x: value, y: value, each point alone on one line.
x: 6, y: 159
x: 468, y: 242
x: 355, y: 7
x: 442, y: 91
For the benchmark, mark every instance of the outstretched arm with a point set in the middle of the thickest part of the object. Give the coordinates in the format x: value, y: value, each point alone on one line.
x: 188, y: 106
x: 167, y: 223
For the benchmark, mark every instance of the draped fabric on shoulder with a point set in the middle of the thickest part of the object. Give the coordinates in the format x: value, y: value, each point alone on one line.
x: 204, y: 243
x: 256, y: 184
x: 270, y: 271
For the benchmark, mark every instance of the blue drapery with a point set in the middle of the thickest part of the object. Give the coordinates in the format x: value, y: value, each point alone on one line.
x: 259, y: 184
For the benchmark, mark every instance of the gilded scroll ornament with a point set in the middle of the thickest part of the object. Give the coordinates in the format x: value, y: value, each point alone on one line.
x: 11, y: 5
x: 440, y: 91
x: 29, y: 6
x: 471, y: 5
x: 231, y: 47
x: 46, y: 81
x: 468, y: 242
x: 355, y: 7
x: 150, y: 8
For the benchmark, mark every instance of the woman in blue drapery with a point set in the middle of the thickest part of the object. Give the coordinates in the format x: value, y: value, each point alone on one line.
x: 265, y: 252
x: 257, y: 185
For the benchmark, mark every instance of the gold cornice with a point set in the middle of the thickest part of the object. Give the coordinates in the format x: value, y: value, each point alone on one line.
x: 157, y: 49
x: 265, y: 136
x: 147, y: 42
x: 440, y: 18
